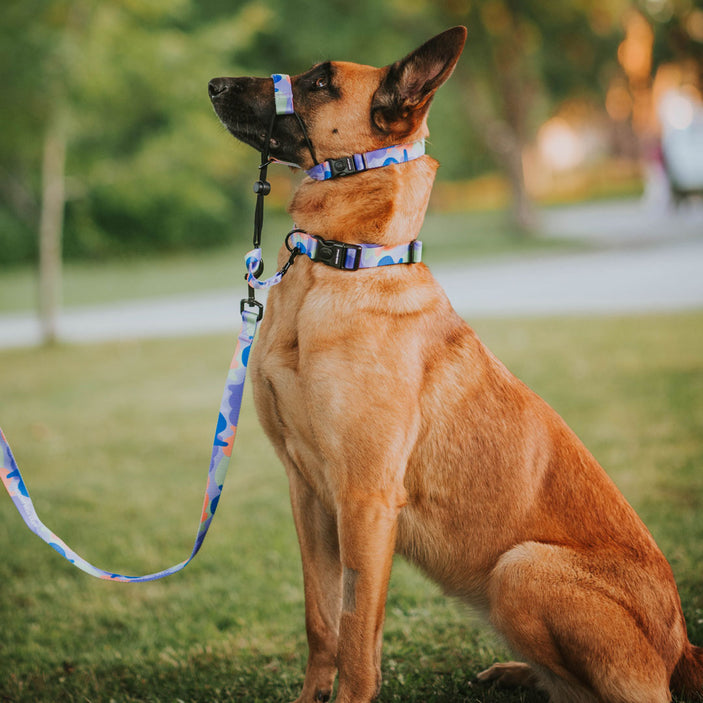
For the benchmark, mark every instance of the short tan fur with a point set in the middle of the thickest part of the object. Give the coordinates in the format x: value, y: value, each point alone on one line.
x: 401, y: 432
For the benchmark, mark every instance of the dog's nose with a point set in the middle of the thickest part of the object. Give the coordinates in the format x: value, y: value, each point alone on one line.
x: 216, y: 87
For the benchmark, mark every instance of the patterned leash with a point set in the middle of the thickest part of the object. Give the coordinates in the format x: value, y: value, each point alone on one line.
x: 252, y: 312
x: 336, y: 254
x: 339, y: 255
x: 221, y: 452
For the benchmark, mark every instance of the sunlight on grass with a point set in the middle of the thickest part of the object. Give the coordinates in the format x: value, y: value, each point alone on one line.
x: 114, y: 443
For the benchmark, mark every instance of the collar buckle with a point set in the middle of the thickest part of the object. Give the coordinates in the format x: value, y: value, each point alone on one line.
x: 338, y: 255
x: 344, y: 166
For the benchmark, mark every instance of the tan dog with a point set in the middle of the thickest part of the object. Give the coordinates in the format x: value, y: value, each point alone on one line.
x: 400, y: 432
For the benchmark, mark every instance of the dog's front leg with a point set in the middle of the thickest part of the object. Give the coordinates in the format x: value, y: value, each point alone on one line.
x: 322, y: 575
x: 367, y: 533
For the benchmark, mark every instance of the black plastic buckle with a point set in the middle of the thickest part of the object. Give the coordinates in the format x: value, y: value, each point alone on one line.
x: 411, y: 252
x: 252, y: 304
x: 334, y: 254
x: 262, y: 187
x: 342, y: 167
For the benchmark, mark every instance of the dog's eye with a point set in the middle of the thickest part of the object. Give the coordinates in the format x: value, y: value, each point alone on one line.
x: 320, y: 83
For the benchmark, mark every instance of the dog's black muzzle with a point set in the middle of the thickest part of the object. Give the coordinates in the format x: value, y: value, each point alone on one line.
x: 246, y: 107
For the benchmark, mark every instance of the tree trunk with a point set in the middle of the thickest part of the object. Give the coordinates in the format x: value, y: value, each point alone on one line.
x: 522, y: 206
x: 506, y: 145
x: 500, y: 123
x: 51, y: 228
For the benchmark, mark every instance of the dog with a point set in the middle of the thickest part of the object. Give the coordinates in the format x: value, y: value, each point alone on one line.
x: 401, y: 433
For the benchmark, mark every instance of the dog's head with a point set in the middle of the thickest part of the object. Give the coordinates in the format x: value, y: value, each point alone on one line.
x: 346, y: 107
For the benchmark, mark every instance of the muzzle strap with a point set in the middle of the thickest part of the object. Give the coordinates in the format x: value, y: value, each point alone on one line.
x: 283, y: 93
x: 345, y: 165
x: 283, y: 100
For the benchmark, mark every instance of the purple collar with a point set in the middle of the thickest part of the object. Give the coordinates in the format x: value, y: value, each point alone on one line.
x: 350, y: 257
x: 346, y: 165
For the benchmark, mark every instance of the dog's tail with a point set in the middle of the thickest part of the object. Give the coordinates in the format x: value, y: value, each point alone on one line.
x: 687, y: 679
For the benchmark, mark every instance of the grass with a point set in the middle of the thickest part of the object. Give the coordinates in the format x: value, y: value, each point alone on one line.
x: 447, y: 235
x: 114, y: 441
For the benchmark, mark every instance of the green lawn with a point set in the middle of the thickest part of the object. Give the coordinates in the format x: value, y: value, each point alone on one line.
x: 114, y: 443
x: 447, y: 236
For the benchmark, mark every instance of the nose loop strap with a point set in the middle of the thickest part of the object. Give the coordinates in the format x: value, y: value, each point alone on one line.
x: 283, y: 97
x: 283, y: 93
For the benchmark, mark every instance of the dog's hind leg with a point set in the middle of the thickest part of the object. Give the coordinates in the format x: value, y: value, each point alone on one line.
x: 508, y: 675
x: 589, y: 636
x: 322, y: 574
x: 512, y: 674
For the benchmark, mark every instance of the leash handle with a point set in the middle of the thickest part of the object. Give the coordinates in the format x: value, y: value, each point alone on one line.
x: 225, y: 433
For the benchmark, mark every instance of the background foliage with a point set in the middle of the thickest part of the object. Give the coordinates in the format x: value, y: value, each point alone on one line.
x: 148, y: 166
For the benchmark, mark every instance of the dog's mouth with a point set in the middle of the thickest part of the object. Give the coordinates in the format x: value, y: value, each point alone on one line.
x: 245, y: 106
x: 238, y: 104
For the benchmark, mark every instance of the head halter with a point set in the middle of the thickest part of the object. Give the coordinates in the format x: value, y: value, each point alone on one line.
x: 283, y: 93
x: 283, y: 97
x: 345, y: 165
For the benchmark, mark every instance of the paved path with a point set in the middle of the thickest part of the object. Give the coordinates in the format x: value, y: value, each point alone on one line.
x: 666, y: 277
x: 657, y: 267
x: 624, y: 222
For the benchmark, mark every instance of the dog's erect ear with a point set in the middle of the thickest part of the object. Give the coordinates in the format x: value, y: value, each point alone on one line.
x: 405, y: 93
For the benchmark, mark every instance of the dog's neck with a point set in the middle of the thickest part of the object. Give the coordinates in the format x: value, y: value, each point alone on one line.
x: 385, y: 206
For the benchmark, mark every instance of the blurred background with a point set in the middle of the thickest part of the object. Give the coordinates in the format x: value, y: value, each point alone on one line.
x: 566, y: 224
x: 110, y: 151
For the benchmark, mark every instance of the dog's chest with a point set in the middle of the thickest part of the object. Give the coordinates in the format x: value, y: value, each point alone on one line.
x: 292, y: 392
x: 328, y: 379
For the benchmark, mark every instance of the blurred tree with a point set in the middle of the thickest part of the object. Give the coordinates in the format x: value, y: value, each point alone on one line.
x: 106, y: 119
x: 521, y: 58
x: 44, y: 111
x: 678, y: 27
x: 146, y: 167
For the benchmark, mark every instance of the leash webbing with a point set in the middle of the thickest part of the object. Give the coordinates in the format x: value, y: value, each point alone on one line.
x: 226, y: 430
x: 228, y: 418
x: 332, y: 253
x: 219, y: 462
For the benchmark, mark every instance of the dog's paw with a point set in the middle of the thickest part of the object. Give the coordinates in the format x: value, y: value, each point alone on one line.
x: 508, y: 674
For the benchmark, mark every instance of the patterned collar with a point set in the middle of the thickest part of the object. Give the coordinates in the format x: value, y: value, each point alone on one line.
x: 351, y: 257
x: 346, y: 165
